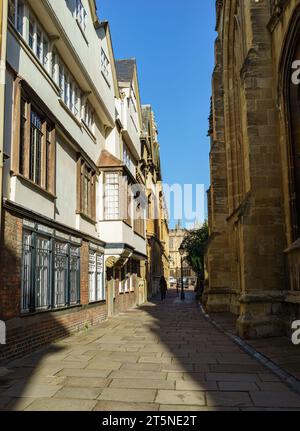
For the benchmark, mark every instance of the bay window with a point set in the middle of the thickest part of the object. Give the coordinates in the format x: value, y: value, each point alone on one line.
x: 111, y: 196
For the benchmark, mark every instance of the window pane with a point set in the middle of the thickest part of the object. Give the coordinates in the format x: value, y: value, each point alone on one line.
x: 26, y: 270
x: 74, y: 274
x: 100, y: 278
x: 35, y: 147
x: 87, y: 192
x: 48, y: 156
x: 20, y: 16
x: 39, y: 44
x: 42, y: 273
x: 22, y: 136
x: 60, y: 274
x: 92, y: 276
x: 31, y: 32
x: 53, y: 66
x: 45, y: 51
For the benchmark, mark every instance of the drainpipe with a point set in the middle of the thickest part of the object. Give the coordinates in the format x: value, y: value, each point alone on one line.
x: 3, y: 39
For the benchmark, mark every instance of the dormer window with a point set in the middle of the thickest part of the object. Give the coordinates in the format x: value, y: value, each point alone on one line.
x: 104, y: 65
x: 81, y: 15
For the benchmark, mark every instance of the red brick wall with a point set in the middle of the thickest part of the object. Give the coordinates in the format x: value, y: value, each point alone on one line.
x: 27, y: 333
x: 10, y: 266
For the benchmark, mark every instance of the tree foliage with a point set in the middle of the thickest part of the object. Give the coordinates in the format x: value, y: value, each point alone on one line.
x: 194, y: 244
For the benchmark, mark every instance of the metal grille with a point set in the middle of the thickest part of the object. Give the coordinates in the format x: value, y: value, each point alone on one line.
x: 60, y: 274
x: 74, y: 274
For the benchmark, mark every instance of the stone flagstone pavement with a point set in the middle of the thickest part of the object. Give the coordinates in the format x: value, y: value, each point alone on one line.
x: 162, y: 356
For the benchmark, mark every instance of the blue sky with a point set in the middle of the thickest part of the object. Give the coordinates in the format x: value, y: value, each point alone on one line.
x: 172, y: 41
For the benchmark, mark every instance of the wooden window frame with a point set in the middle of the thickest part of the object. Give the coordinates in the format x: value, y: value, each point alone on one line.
x: 21, y: 147
x: 82, y: 169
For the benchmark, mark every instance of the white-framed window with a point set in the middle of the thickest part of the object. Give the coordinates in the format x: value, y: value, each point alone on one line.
x: 111, y: 196
x: 16, y: 14
x: 127, y: 159
x: 81, y: 15
x: 104, y: 64
x: 96, y: 277
x: 69, y: 91
x: 89, y: 116
x: 38, y: 41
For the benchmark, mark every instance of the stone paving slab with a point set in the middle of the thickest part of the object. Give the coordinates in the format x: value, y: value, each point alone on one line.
x: 130, y: 395
x: 165, y: 357
x: 109, y: 406
x: 142, y: 384
x: 228, y: 399
x: 196, y: 398
x: 52, y: 404
x: 78, y: 393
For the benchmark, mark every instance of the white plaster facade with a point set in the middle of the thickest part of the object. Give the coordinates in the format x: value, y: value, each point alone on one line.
x: 82, y: 48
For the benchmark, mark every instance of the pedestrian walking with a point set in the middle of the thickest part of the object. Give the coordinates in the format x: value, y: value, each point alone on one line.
x: 163, y: 287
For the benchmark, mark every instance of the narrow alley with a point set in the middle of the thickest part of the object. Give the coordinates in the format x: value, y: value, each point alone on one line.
x: 161, y: 356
